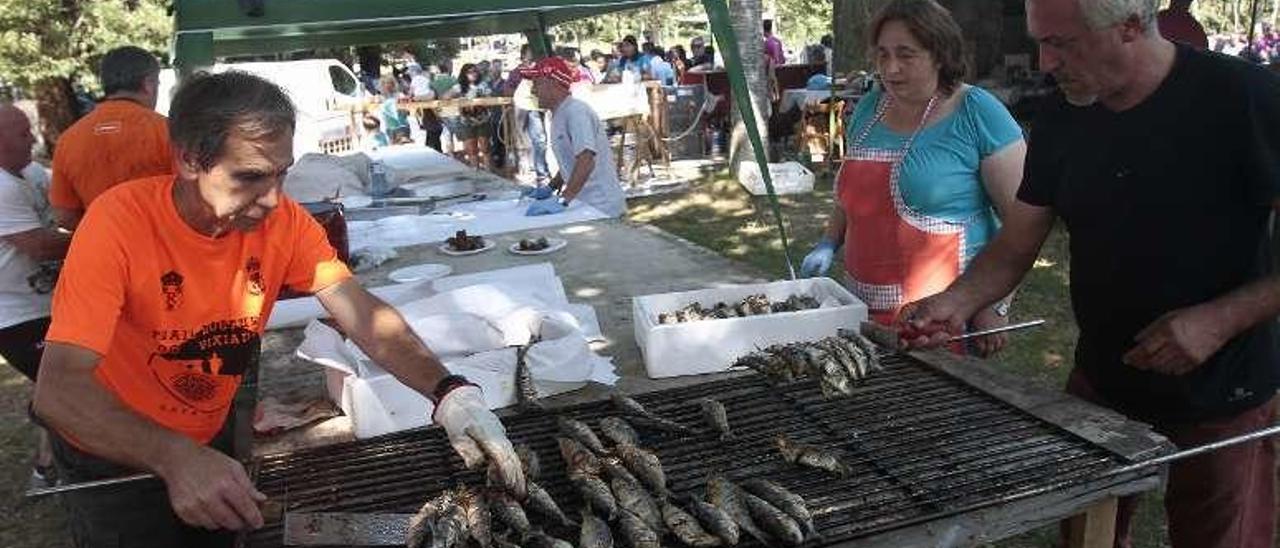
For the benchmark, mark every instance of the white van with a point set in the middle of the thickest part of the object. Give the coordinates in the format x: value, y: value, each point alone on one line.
x: 322, y: 90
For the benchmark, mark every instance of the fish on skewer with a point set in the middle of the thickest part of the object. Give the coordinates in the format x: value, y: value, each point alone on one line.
x: 541, y: 503
x: 526, y: 390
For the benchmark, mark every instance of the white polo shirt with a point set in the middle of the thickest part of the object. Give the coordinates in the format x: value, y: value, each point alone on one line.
x: 576, y: 128
x: 23, y: 206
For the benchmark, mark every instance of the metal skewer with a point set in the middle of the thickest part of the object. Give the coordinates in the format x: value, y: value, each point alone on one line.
x: 994, y: 330
x: 46, y: 491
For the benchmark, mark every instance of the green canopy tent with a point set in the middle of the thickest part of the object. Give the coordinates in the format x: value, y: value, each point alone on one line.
x: 207, y: 29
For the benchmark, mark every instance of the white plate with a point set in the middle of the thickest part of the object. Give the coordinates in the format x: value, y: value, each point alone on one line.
x: 419, y: 273
x: 356, y: 202
x: 553, y: 245
x: 448, y: 216
x: 444, y: 248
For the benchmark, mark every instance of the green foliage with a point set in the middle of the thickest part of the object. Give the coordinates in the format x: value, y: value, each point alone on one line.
x: 42, y: 39
x: 435, y: 51
x: 802, y: 22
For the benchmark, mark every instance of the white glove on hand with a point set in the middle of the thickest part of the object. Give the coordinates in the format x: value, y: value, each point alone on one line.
x: 477, y: 435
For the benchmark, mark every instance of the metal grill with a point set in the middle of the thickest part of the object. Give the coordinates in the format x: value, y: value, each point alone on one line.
x: 922, y: 445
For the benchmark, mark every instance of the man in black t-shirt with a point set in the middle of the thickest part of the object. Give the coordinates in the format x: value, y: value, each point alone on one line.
x: 1164, y: 165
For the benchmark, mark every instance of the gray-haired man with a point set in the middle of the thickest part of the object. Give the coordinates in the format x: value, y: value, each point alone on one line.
x: 1164, y: 164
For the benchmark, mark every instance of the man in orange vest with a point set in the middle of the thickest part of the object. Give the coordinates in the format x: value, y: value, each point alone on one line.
x: 159, y: 312
x: 123, y: 138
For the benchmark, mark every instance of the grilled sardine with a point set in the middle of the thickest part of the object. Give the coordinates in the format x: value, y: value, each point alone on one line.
x: 645, y: 466
x: 634, y: 533
x: 633, y: 499
x: 686, y: 528
x: 582, y: 433
x: 812, y: 456
x: 784, y: 500
x: 644, y: 418
x: 541, y: 503
x: 773, y: 520
x: 594, y: 533
x: 507, y: 511
x: 597, y: 495
x: 618, y: 431
x: 717, y: 418
x: 716, y: 521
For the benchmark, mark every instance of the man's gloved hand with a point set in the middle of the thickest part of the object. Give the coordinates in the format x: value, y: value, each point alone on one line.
x: 818, y: 261
x: 477, y: 435
x: 540, y: 192
x: 549, y: 206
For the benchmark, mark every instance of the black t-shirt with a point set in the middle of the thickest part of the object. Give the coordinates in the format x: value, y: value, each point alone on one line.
x: 1168, y: 205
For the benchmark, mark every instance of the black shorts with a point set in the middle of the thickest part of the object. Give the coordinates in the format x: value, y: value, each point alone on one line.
x: 22, y: 345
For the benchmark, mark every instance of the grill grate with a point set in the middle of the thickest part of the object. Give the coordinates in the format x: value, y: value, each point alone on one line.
x: 922, y: 445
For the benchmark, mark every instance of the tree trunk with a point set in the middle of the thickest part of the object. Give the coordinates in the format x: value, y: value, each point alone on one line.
x: 55, y: 106
x: 744, y: 17
x: 1275, y: 9
x: 853, y: 17
x: 1235, y: 16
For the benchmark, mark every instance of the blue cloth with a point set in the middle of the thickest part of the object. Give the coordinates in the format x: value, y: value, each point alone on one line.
x: 640, y: 65
x: 392, y: 117
x: 535, y: 126
x: 663, y: 72
x: 941, y: 176
x: 549, y: 206
x: 818, y: 82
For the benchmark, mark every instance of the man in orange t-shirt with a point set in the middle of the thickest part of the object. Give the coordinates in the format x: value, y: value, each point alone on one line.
x: 159, y: 312
x: 122, y: 139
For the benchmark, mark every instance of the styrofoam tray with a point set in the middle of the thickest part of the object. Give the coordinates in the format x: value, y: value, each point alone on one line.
x: 711, y: 346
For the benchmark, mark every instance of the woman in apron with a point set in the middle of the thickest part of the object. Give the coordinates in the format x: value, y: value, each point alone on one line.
x: 930, y: 160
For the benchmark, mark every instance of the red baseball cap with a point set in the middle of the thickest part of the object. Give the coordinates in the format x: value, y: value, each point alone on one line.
x: 554, y: 68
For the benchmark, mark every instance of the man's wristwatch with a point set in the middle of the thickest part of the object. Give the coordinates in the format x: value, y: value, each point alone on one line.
x: 1001, y: 309
x: 447, y: 385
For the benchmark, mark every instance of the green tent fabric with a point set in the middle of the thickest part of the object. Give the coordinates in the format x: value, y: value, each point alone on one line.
x: 208, y: 29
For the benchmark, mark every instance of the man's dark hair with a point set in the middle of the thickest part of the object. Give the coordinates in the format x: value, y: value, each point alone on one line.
x: 209, y: 107
x: 827, y: 40
x: 125, y: 69
x: 768, y: 25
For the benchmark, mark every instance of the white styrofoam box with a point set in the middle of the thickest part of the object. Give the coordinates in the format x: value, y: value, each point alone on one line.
x: 711, y: 346
x: 788, y: 178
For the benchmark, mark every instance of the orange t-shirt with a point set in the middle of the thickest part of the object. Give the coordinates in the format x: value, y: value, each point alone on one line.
x: 118, y: 141
x: 178, y: 316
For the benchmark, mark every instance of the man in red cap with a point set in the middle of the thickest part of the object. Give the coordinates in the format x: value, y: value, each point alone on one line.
x: 579, y: 144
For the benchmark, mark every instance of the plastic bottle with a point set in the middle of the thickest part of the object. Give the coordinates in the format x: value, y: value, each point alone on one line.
x: 377, y: 179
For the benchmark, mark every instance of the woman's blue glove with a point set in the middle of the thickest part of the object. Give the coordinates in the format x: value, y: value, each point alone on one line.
x: 818, y: 261
x: 548, y: 206
x: 540, y: 192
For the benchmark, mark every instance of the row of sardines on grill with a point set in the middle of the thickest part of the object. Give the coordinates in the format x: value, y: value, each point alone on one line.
x: 625, y: 498
x: 838, y: 362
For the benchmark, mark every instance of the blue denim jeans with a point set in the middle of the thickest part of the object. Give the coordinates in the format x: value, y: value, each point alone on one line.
x: 535, y: 126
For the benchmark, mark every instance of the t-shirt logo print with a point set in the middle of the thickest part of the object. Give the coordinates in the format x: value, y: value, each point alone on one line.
x: 253, y: 276
x: 204, y: 371
x: 171, y: 286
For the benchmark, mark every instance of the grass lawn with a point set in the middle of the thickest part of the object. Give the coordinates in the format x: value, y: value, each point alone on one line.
x: 719, y: 215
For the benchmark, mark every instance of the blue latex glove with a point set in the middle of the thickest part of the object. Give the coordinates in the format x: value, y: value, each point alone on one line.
x: 818, y: 261
x: 548, y: 206
x: 540, y: 192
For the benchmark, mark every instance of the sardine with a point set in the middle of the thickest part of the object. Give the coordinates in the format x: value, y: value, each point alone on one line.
x: 541, y: 503
x: 716, y: 521
x: 727, y: 497
x: 634, y: 533
x: 529, y: 461
x: 645, y: 466
x: 843, y: 356
x: 773, y: 520
x: 577, y: 459
x: 594, y: 533
x: 613, y: 469
x: 784, y: 500
x: 526, y: 391
x: 686, y: 528
x: 502, y: 542
x: 582, y: 433
x: 832, y: 378
x: 419, y: 534
x: 538, y: 539
x: 717, y: 418
x: 632, y: 498
x: 479, y: 519
x: 618, y: 431
x: 869, y: 348
x: 812, y: 456
x: 597, y: 495
x: 508, y: 512
x: 449, y: 528
x: 644, y: 418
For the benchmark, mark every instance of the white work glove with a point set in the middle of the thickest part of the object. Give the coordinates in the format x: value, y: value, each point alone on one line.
x: 477, y: 435
x: 818, y: 261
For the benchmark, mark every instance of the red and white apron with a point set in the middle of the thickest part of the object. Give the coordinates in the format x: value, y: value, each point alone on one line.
x: 893, y: 255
